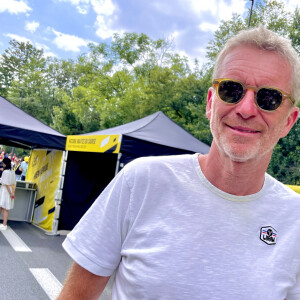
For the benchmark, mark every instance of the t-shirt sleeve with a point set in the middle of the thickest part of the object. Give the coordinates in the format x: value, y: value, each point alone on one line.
x: 96, y: 241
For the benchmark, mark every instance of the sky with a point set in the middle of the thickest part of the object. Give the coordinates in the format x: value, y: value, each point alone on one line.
x: 64, y: 28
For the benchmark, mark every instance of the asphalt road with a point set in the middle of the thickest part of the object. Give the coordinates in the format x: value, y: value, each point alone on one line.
x: 33, y: 265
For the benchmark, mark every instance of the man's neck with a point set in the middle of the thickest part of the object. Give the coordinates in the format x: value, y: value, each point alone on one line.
x: 236, y: 178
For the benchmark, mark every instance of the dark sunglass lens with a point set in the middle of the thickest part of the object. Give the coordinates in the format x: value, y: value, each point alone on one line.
x: 230, y: 91
x: 268, y: 99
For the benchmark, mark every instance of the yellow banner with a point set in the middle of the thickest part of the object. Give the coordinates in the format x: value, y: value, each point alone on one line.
x: 94, y: 143
x: 44, y: 169
x: 296, y: 188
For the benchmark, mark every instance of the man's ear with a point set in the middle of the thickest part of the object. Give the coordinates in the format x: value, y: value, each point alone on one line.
x: 291, y: 120
x: 209, y: 102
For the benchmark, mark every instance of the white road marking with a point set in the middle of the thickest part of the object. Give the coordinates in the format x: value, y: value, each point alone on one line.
x: 47, y: 281
x: 15, y: 241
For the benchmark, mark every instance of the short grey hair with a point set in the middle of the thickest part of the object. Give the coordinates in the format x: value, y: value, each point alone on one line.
x: 267, y: 40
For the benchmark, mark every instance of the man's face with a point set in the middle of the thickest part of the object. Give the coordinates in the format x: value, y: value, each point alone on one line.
x: 242, y: 131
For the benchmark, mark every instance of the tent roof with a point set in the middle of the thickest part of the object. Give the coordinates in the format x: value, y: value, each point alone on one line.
x: 158, y: 128
x: 19, y: 129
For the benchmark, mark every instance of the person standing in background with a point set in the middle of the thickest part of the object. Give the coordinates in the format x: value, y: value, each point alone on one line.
x: 24, y: 167
x: 17, y: 170
x: 7, y: 191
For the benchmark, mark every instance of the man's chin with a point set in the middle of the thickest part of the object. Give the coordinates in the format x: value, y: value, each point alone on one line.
x: 241, y: 156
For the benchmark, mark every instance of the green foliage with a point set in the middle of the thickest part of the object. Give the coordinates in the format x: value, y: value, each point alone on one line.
x: 19, y: 152
x: 270, y: 13
x: 24, y: 80
x: 285, y: 160
x: 133, y: 76
x: 65, y: 121
x: 294, y: 34
x: 226, y: 30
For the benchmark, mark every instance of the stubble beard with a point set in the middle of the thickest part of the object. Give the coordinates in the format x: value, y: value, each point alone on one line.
x: 238, y: 155
x: 236, y: 150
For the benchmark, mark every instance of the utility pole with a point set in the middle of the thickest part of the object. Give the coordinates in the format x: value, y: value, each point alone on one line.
x: 250, y: 13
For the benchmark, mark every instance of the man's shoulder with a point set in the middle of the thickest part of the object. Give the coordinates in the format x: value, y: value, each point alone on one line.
x: 159, y: 161
x: 158, y: 166
x: 282, y: 190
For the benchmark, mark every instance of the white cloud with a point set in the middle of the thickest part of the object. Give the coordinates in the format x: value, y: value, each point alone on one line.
x: 201, y: 55
x: 41, y: 46
x: 103, y: 7
x: 206, y: 27
x: 105, y: 10
x: 76, y: 2
x: 165, y: 7
x: 83, y: 9
x: 221, y: 9
x: 225, y: 10
x: 103, y: 29
x: 106, y: 17
x: 69, y: 42
x: 291, y: 5
x: 32, y: 26
x: 47, y: 52
x: 82, y: 6
x: 217, y: 10
x: 18, y: 38
x: 14, y: 6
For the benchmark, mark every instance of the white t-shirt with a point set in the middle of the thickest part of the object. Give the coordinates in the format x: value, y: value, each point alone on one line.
x: 170, y: 234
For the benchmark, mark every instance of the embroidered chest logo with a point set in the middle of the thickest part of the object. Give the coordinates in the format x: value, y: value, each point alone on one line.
x: 268, y: 235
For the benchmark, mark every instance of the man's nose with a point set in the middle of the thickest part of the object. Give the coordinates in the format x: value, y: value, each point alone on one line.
x: 247, y: 107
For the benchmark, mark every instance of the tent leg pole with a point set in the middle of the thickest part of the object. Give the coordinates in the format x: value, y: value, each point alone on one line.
x: 118, y: 163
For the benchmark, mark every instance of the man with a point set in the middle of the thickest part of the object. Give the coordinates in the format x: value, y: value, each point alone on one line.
x: 212, y: 226
x: 23, y: 167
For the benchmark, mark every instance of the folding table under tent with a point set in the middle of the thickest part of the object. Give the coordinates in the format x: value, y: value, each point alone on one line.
x: 88, y: 173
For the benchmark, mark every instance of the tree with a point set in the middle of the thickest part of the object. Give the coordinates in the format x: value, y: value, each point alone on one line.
x: 23, y: 79
x: 18, y: 62
x: 270, y: 13
x: 226, y: 30
x: 129, y: 79
x: 285, y: 160
x: 294, y: 33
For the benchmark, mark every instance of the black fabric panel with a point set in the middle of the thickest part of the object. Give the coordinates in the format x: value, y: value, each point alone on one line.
x: 87, y: 174
x: 24, y: 138
x: 132, y: 148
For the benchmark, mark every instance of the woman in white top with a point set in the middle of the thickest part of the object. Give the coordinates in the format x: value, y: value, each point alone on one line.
x: 7, y: 191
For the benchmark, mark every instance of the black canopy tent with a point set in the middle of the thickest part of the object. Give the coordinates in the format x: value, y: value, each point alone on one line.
x: 153, y: 135
x: 19, y: 129
x: 87, y: 173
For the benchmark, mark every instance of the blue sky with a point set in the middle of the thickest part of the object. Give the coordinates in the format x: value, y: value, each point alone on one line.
x: 64, y: 28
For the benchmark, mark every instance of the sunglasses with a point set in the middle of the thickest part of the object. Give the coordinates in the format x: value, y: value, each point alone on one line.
x: 233, y: 91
